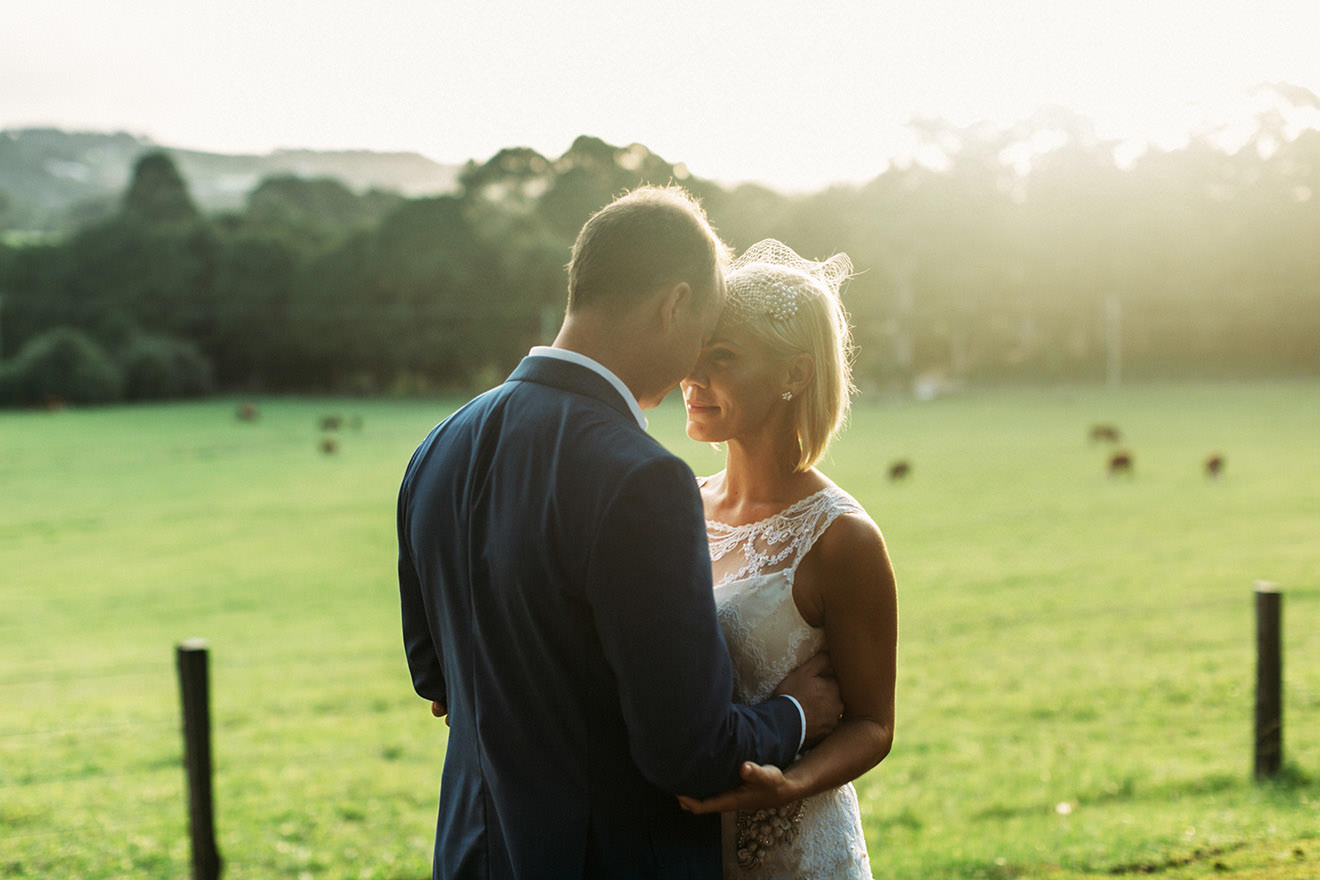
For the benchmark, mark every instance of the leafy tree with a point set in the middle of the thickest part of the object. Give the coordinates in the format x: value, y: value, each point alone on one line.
x: 589, y: 175
x: 994, y: 258
x: 61, y: 365
x: 161, y: 367
x: 158, y: 278
x: 252, y: 332
x: 316, y: 213
x: 514, y: 177
x: 157, y: 193
x: 422, y: 295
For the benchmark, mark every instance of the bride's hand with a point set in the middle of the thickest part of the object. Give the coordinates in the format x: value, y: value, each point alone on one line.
x: 763, y: 786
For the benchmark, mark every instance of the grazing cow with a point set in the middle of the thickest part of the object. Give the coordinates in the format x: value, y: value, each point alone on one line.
x: 899, y: 470
x: 1120, y: 463
x: 1105, y: 434
x: 1214, y: 466
x: 247, y: 412
x: 331, y: 423
x: 329, y: 445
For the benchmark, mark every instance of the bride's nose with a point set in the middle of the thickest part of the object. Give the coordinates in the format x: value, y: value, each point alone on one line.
x: 697, y: 376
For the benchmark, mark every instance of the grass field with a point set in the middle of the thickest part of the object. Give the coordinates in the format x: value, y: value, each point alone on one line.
x: 1076, y: 661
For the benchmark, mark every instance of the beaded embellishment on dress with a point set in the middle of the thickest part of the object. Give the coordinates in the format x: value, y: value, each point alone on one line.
x: 760, y: 831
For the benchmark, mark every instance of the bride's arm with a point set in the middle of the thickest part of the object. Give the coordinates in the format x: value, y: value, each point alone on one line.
x: 847, y: 584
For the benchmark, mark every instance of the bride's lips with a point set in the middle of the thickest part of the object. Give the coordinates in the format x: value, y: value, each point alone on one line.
x: 698, y: 409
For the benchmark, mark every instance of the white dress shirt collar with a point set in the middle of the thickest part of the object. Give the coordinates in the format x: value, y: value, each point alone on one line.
x: 582, y: 360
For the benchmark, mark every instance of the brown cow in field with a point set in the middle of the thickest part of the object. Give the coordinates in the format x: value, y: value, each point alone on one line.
x: 1214, y: 466
x: 899, y: 470
x: 1120, y: 463
x: 247, y: 412
x: 1104, y: 434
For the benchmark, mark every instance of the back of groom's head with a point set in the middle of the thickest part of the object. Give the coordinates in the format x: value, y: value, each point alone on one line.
x: 646, y: 238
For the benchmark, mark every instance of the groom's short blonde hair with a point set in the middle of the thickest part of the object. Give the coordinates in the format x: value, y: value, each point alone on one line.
x: 651, y: 236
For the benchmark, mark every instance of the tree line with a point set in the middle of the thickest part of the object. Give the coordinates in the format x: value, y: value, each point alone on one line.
x: 992, y: 263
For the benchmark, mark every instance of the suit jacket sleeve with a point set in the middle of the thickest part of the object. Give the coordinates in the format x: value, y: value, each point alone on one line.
x: 418, y: 641
x: 649, y: 586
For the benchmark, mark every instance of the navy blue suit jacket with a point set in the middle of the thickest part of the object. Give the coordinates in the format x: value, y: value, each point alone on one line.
x: 556, y: 596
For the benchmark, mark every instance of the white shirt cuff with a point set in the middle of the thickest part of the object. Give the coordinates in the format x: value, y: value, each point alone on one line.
x: 801, y: 714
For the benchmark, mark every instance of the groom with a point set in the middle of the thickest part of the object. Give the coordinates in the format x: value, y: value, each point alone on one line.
x: 556, y: 588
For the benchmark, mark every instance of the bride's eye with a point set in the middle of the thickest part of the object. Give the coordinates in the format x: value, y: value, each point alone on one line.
x: 721, y: 354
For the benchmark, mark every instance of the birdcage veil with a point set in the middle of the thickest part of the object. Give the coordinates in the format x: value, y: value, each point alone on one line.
x: 770, y: 278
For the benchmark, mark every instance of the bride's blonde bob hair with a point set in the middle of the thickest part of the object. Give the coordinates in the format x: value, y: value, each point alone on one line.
x: 792, y: 305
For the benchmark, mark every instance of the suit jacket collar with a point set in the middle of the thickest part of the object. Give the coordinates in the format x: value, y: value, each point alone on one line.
x: 568, y: 376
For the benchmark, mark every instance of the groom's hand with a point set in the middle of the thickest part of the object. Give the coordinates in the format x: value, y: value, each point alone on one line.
x: 814, y: 686
x: 439, y: 710
x: 763, y: 786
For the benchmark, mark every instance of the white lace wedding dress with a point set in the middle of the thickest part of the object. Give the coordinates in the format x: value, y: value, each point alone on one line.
x: 819, y: 837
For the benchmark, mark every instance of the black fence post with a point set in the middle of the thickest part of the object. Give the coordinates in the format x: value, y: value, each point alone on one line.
x: 1269, y: 681
x: 194, y: 689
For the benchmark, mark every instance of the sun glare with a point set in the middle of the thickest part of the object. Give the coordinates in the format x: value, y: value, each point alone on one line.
x: 745, y: 94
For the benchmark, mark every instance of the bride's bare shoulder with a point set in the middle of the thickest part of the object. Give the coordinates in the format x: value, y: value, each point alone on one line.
x: 852, y: 533
x: 851, y: 555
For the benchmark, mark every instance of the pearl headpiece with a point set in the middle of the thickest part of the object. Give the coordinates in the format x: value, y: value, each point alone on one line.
x: 771, y: 280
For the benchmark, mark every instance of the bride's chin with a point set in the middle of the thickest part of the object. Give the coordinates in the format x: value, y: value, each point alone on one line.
x: 698, y: 433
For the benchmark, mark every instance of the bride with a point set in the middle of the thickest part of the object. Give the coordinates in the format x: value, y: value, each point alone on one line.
x: 799, y: 567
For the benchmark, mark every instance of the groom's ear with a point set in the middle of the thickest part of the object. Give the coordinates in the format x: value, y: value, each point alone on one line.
x: 674, y: 300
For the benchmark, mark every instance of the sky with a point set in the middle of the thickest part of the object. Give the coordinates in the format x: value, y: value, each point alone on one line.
x: 790, y: 94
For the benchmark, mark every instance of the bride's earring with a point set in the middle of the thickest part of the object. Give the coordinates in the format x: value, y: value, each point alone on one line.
x: 787, y: 395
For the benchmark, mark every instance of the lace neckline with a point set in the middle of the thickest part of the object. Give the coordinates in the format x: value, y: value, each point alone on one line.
x: 777, y: 542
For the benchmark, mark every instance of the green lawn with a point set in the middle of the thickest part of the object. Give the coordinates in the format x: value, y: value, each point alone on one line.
x: 1076, y: 661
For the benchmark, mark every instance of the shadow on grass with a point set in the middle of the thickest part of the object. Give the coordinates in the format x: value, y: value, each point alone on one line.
x: 1126, y: 790
x: 1291, y: 781
x: 1290, y: 776
x: 1157, y: 866
x: 1288, y: 782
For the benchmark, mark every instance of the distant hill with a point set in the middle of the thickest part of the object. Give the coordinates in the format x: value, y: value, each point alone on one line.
x: 50, y: 178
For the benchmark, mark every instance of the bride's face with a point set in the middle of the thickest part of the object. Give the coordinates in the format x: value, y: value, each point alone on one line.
x: 735, y: 388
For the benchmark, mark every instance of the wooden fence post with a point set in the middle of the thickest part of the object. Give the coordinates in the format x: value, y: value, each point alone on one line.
x: 1269, y: 681
x: 194, y: 689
